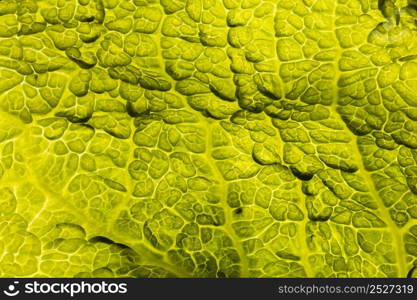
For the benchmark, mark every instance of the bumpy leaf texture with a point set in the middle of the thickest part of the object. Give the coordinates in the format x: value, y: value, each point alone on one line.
x: 208, y: 138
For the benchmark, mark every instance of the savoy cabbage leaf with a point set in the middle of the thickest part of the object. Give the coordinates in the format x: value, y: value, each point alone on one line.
x: 208, y: 138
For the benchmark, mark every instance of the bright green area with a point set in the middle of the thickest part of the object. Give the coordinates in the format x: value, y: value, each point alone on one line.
x: 208, y: 138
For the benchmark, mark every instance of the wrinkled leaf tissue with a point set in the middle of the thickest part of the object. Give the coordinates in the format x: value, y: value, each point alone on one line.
x: 208, y: 138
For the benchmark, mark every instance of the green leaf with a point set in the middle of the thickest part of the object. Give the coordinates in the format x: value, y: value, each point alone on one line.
x: 235, y: 138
